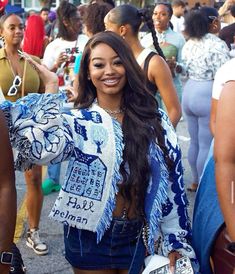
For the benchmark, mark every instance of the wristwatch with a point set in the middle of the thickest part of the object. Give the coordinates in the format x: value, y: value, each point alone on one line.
x: 6, y: 257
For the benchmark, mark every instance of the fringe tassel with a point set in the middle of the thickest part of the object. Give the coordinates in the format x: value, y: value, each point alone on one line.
x: 107, y: 215
x: 160, y: 197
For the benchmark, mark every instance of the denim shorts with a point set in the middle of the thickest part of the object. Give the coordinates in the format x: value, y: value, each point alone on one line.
x: 114, y: 251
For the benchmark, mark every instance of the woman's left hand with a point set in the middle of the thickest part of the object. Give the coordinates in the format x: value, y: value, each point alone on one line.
x: 173, y: 256
x: 71, y: 93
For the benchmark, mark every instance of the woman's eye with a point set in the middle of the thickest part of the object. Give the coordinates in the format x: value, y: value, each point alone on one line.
x: 98, y: 65
x: 117, y: 62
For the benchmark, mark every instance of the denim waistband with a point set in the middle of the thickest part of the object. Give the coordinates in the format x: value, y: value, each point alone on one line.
x: 120, y: 225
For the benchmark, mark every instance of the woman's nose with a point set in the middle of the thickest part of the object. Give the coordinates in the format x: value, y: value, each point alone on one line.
x: 109, y: 69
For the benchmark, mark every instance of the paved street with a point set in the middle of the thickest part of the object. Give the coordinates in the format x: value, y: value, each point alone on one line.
x: 52, y: 232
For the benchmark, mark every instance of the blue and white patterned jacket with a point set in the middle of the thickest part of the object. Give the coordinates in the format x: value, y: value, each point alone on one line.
x: 92, y: 142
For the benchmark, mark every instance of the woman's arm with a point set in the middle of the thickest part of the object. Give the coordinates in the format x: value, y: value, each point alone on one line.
x: 7, y: 193
x: 224, y: 153
x: 214, y: 103
x: 160, y: 74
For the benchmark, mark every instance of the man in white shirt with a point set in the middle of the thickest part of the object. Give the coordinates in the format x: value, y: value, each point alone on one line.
x: 177, y: 18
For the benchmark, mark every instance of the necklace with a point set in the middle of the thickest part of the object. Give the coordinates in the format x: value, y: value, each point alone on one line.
x: 113, y: 112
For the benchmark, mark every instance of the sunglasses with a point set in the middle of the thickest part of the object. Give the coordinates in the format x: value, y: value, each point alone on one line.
x: 212, y: 18
x: 14, y: 88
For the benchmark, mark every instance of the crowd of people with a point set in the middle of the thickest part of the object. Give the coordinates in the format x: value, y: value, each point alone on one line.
x: 115, y: 95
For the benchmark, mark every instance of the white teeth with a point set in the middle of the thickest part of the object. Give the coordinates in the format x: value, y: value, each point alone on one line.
x: 110, y: 81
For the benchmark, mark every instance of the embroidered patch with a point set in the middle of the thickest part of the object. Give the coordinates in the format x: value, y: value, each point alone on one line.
x: 93, y: 116
x: 87, y: 176
x: 81, y: 130
x: 99, y: 136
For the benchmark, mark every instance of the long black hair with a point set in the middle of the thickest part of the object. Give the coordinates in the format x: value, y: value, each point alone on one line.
x: 128, y: 14
x: 141, y: 122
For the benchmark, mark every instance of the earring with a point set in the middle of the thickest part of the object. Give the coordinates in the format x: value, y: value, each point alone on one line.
x: 123, y: 37
x: 88, y: 77
x: 2, y: 41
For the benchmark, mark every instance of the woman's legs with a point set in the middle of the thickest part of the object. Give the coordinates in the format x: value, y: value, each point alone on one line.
x: 205, y: 138
x: 196, y: 106
x: 192, y: 123
x: 34, y: 196
x: 51, y: 184
x: 34, y: 201
x: 194, y: 145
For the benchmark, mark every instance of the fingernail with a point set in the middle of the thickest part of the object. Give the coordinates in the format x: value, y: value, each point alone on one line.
x: 172, y: 269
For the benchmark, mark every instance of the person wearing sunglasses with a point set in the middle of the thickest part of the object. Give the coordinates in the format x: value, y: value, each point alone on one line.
x: 18, y: 78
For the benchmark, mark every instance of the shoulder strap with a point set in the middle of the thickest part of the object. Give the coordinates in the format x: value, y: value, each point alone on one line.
x: 142, y: 56
x: 147, y: 60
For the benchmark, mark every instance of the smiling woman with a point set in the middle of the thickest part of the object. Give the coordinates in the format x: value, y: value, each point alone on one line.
x: 108, y: 74
x: 124, y: 172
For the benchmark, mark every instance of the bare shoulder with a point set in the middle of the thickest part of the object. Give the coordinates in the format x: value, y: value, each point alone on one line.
x: 157, y: 61
x: 224, y: 126
x: 158, y: 65
x: 227, y: 98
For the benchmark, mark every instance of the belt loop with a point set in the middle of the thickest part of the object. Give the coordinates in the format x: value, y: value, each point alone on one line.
x: 68, y: 231
x: 80, y: 241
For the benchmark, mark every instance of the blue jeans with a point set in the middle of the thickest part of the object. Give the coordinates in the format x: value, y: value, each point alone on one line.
x: 53, y: 172
x: 120, y: 244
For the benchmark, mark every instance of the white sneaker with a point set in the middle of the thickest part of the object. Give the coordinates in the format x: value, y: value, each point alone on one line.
x: 33, y: 241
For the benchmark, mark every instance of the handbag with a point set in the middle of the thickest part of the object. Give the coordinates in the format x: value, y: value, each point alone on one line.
x: 223, y: 253
x: 153, y: 262
x: 156, y: 264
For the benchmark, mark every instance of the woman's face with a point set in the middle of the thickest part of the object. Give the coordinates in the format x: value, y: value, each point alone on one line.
x: 106, y: 71
x: 161, y: 17
x: 13, y: 30
x: 75, y: 24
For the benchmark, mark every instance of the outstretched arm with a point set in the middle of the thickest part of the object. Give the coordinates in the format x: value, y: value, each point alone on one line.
x: 225, y: 155
x: 7, y: 193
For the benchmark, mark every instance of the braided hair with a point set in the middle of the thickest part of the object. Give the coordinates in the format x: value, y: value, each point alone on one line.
x: 145, y: 14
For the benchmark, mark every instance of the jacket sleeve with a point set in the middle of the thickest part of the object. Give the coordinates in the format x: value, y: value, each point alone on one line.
x: 38, y: 131
x: 176, y: 224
